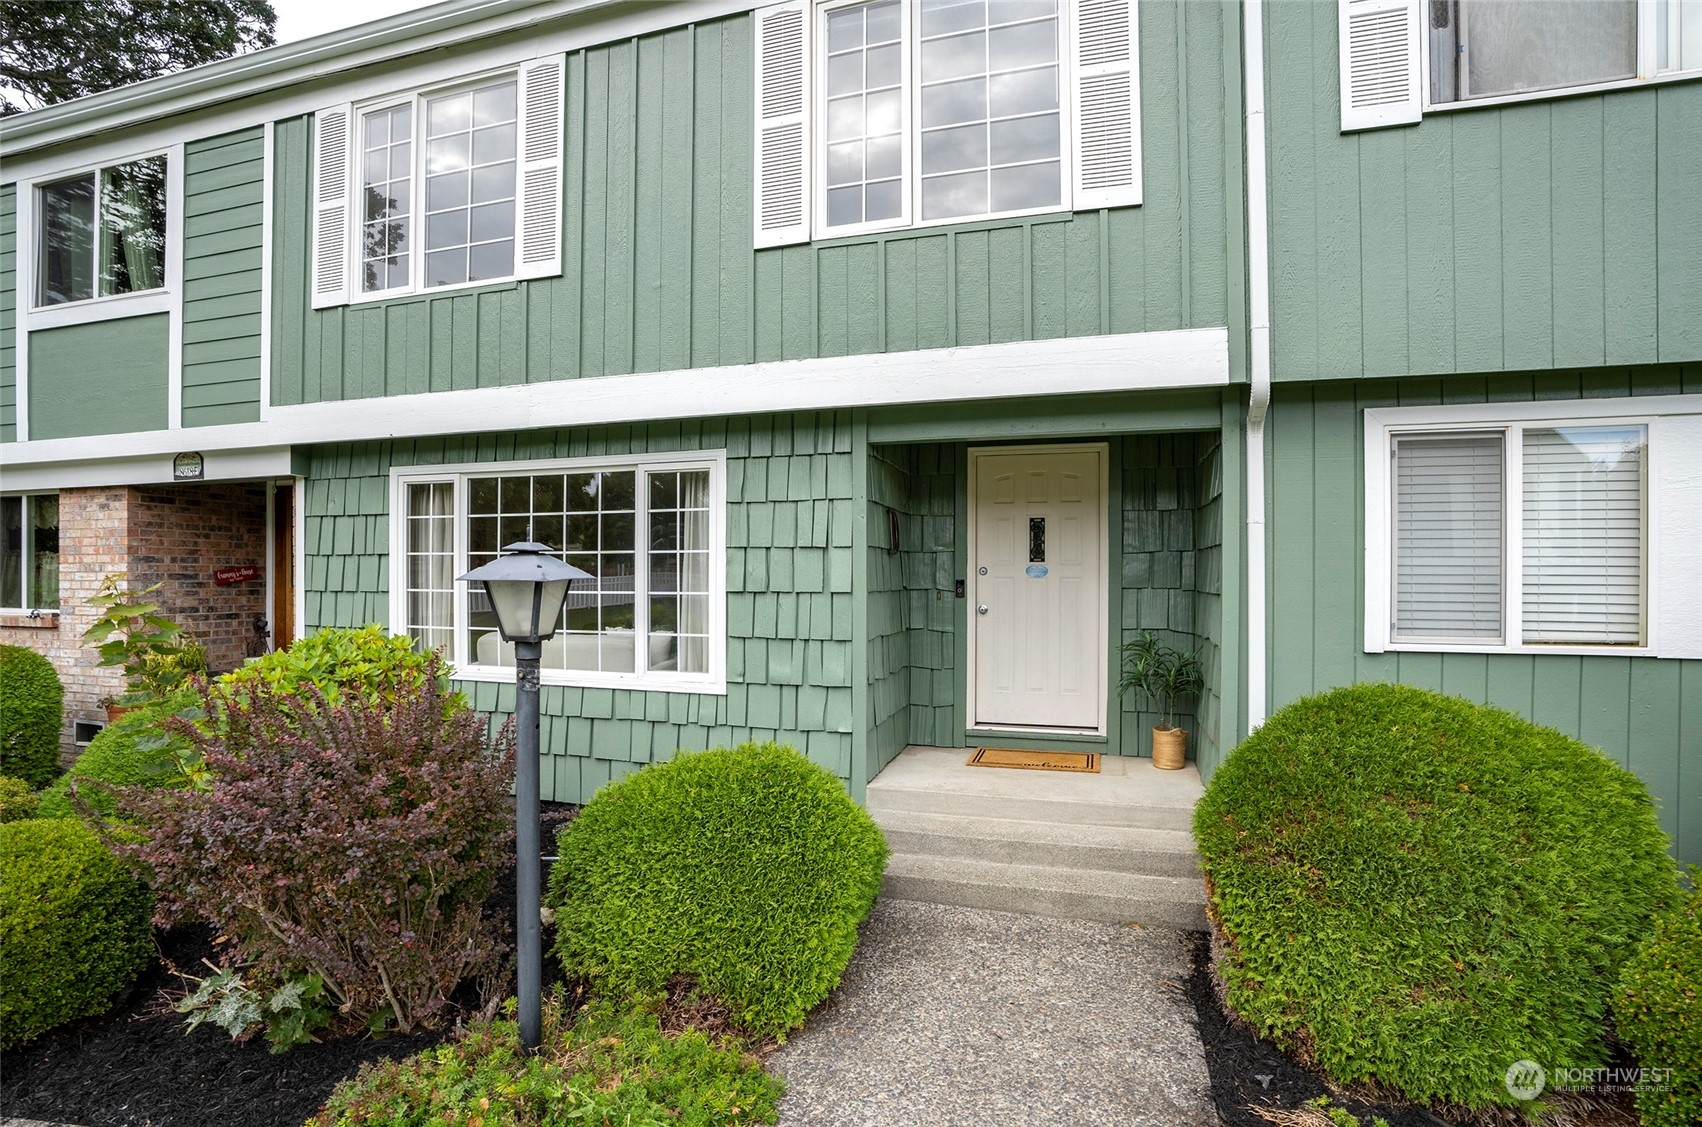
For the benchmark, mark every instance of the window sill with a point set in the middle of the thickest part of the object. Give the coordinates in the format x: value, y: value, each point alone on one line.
x: 1563, y: 92
x: 492, y: 285
x: 504, y: 675
x: 100, y: 309
x: 26, y: 620
x: 1519, y: 650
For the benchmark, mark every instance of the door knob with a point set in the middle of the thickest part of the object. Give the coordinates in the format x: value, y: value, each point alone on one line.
x: 982, y: 609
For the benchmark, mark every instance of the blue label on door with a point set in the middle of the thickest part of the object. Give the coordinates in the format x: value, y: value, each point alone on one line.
x: 1036, y: 571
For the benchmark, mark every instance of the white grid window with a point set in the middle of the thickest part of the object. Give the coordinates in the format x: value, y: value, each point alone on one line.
x: 646, y: 532
x: 865, y: 113
x: 387, y: 175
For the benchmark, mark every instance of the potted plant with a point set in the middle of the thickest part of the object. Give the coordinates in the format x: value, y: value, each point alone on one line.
x: 129, y: 633
x: 1164, y: 677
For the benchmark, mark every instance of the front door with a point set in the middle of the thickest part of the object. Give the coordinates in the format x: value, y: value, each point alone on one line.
x: 1037, y: 588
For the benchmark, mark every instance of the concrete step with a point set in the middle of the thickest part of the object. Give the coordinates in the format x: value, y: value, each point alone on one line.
x: 1120, y: 849
x: 1153, y: 812
x: 1085, y: 894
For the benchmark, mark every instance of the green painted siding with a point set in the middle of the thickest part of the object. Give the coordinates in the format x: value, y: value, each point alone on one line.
x: 661, y: 275
x: 8, y: 313
x: 789, y: 563
x: 105, y: 377
x: 1210, y: 728
x: 1644, y: 712
x: 224, y: 200
x: 889, y: 641
x: 1563, y: 233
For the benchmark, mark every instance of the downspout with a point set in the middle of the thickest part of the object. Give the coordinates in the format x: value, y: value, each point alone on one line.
x: 1258, y: 352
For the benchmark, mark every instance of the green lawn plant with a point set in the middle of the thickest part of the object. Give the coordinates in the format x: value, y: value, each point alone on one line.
x: 607, y: 1065
x: 746, y: 868
x: 1163, y: 676
x: 17, y: 800
x: 367, y: 662
x: 130, y: 633
x: 32, y: 705
x: 1415, y: 891
x: 136, y: 750
x: 73, y: 926
x: 1658, y: 1010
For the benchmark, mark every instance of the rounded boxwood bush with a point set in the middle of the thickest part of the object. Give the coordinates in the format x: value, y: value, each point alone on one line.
x: 747, y: 868
x: 1415, y: 891
x: 73, y: 924
x: 134, y: 750
x: 17, y: 800
x: 32, y: 704
x: 1658, y: 1009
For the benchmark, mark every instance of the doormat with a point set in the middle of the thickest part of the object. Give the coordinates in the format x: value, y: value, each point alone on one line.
x: 1026, y: 760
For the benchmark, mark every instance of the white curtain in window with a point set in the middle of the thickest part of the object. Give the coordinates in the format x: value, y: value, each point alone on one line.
x: 694, y: 572
x: 1448, y: 536
x: 1583, y: 535
x: 431, y: 564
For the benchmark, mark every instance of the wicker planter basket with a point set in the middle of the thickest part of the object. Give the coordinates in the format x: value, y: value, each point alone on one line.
x: 1169, y: 748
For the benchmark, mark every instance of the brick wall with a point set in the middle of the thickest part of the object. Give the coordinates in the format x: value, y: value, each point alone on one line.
x: 180, y: 535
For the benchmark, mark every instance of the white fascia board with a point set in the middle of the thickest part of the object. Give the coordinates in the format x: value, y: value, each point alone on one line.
x: 1181, y: 358
x: 242, y: 463
x: 146, y: 109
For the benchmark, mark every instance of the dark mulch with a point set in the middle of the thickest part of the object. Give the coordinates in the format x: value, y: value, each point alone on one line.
x: 1249, y: 1073
x: 136, y: 1067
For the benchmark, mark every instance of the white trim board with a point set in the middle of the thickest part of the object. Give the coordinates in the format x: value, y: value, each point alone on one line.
x: 1673, y: 556
x: 239, y: 464
x: 1175, y: 359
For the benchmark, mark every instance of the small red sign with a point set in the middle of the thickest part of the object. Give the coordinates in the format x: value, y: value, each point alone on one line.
x: 225, y: 576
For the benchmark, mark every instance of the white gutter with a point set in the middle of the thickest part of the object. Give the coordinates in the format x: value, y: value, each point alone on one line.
x: 1258, y: 352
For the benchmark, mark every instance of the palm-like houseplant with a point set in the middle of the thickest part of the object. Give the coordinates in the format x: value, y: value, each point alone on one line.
x: 1164, y: 677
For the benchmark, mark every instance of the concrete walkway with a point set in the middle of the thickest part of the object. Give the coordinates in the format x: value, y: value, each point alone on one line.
x: 960, y: 1017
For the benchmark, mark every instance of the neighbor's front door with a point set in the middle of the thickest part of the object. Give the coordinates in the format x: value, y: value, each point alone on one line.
x: 1038, y: 589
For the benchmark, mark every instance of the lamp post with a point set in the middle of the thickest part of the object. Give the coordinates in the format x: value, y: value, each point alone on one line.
x: 527, y: 590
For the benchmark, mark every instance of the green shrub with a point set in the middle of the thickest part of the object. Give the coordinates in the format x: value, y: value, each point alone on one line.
x: 17, y: 801
x: 1418, y: 891
x: 134, y: 750
x: 32, y: 705
x: 610, y: 1066
x: 339, y: 661
x: 1658, y: 1009
x: 73, y: 926
x: 748, y: 868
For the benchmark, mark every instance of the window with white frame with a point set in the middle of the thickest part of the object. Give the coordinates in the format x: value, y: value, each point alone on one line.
x: 102, y: 233
x: 1524, y: 535
x: 29, y: 552
x: 649, y: 532
x: 880, y: 114
x: 451, y: 186
x: 1402, y: 56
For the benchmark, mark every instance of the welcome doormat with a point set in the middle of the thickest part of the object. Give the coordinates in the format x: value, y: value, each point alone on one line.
x: 1024, y: 759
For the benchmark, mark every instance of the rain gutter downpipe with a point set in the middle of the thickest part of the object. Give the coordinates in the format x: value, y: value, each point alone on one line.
x: 1258, y: 351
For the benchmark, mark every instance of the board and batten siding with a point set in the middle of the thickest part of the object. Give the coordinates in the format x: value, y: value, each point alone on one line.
x: 1646, y: 713
x: 8, y: 313
x: 1560, y: 233
x: 223, y: 205
x: 660, y: 272
x: 789, y: 588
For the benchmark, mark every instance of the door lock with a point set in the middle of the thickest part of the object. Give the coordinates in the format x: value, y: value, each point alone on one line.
x: 982, y: 609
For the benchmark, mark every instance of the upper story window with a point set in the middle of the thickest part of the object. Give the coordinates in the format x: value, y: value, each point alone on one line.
x: 29, y: 552
x: 103, y: 233
x: 886, y: 114
x: 1400, y: 57
x: 439, y: 188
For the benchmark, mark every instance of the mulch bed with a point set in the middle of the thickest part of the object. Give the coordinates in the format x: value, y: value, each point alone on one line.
x: 136, y: 1067
x: 1248, y: 1072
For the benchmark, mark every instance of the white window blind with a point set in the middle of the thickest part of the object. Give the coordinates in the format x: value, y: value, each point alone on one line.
x: 1583, y: 535
x: 1448, y: 536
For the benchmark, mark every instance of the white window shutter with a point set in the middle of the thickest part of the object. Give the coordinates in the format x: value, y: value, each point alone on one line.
x: 543, y: 95
x: 1107, y: 105
x: 332, y: 173
x: 1380, y: 71
x: 783, y: 156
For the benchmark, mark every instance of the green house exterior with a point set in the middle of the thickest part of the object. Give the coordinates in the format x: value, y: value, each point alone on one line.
x: 844, y: 401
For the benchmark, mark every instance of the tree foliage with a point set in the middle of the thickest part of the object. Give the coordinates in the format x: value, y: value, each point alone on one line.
x: 53, y: 52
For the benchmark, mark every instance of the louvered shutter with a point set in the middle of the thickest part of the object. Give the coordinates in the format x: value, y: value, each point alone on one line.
x: 1583, y: 535
x: 783, y: 155
x: 1380, y: 70
x: 331, y: 192
x: 1448, y: 536
x: 543, y: 97
x: 1107, y: 104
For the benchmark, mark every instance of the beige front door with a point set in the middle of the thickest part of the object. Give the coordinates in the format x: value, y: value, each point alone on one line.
x: 1037, y: 630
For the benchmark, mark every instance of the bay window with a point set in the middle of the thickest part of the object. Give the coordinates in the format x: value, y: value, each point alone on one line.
x: 649, y: 531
